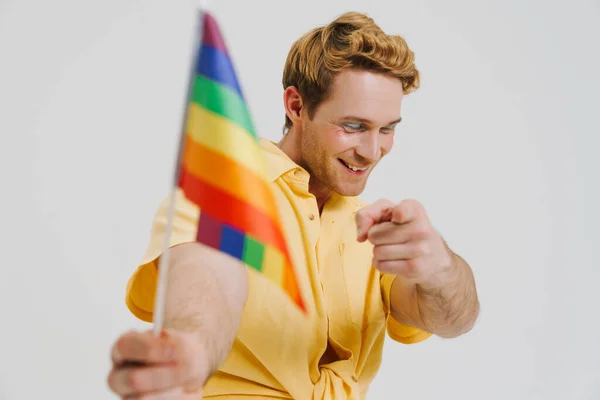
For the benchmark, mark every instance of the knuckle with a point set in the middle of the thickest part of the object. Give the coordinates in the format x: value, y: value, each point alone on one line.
x: 112, y: 381
x: 372, y: 234
x: 375, y: 262
x: 135, y: 380
x: 359, y: 214
x: 422, y: 231
x: 378, y: 252
x: 383, y: 266
x: 397, y: 211
x: 121, y: 344
x: 380, y: 231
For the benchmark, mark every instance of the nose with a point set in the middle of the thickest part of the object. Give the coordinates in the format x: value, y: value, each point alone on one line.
x: 369, y: 146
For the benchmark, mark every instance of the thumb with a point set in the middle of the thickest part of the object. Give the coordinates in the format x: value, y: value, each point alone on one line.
x: 370, y: 215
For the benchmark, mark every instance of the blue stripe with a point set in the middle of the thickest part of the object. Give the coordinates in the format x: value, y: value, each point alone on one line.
x: 216, y: 65
x: 232, y: 242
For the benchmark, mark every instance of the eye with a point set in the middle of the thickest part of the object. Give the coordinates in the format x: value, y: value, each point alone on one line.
x: 353, y: 126
x: 388, y: 129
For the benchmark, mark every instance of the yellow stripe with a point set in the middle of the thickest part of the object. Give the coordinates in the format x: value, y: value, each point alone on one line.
x: 229, y: 176
x: 273, y: 263
x: 223, y: 136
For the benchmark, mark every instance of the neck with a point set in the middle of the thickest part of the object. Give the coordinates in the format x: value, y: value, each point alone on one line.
x: 321, y: 193
x: 290, y: 145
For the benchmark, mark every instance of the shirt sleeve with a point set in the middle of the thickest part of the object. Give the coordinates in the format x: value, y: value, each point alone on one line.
x: 141, y: 287
x: 397, y: 331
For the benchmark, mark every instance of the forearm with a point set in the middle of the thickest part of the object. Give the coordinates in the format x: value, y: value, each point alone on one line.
x: 447, y: 307
x: 207, y: 291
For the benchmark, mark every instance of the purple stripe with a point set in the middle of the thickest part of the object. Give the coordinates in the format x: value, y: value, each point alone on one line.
x: 211, y: 35
x: 209, y: 231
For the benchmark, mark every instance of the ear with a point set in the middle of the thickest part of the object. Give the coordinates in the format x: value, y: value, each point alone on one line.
x: 292, y: 102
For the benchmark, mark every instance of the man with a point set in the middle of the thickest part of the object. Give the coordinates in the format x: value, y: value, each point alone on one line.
x: 363, y: 270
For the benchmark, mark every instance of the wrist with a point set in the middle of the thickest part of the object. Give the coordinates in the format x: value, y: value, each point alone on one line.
x: 446, y: 274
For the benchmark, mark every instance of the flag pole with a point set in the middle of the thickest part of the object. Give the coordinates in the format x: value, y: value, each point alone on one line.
x: 163, y: 264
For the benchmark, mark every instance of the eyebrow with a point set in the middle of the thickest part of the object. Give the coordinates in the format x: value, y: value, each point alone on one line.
x: 367, y: 121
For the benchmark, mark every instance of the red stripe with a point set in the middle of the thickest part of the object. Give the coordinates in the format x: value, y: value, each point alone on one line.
x: 211, y: 35
x: 232, y: 176
x: 232, y: 211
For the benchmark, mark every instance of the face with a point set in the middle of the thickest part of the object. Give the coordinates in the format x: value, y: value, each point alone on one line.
x: 350, y: 132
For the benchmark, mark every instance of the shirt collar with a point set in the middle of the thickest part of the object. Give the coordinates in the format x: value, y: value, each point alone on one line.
x: 277, y: 162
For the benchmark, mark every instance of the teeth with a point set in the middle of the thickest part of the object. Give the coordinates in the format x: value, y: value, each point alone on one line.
x: 356, y: 168
x: 353, y: 168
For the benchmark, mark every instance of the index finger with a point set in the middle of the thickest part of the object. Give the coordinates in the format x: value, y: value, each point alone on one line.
x: 370, y: 215
x: 134, y: 347
x: 406, y: 211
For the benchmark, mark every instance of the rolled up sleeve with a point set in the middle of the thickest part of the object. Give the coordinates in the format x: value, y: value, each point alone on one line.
x: 141, y: 287
x: 399, y: 332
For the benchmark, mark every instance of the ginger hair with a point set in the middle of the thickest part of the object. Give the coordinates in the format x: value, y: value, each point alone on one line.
x: 351, y: 41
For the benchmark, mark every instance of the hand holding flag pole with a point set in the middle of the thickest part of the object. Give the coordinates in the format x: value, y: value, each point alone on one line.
x: 220, y: 168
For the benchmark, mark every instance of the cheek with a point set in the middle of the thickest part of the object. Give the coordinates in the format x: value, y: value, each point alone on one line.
x: 386, y: 143
x: 337, y: 141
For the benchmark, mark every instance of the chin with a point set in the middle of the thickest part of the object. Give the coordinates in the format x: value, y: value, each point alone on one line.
x: 350, y: 190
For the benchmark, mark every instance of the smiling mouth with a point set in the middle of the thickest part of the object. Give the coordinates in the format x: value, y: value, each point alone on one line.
x: 353, y: 168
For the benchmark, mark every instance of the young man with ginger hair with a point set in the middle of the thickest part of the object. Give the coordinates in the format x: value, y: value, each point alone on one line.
x: 364, y: 270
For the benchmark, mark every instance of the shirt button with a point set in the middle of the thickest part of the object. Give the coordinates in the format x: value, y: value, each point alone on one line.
x: 311, y: 216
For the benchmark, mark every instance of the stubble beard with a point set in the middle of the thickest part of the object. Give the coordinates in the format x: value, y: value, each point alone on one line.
x: 325, y: 173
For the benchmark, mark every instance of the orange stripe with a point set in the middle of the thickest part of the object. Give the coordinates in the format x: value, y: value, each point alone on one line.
x: 244, y: 217
x: 290, y: 285
x: 229, y: 176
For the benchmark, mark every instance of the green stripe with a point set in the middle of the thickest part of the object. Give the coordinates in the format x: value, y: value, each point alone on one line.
x: 253, y: 253
x: 223, y: 101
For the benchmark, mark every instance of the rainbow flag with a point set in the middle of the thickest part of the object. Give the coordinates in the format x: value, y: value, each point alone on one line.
x: 222, y: 169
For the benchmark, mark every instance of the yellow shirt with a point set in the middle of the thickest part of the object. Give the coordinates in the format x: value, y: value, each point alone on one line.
x: 334, y: 352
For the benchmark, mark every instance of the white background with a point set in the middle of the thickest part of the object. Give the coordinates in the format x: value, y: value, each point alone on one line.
x: 499, y: 144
